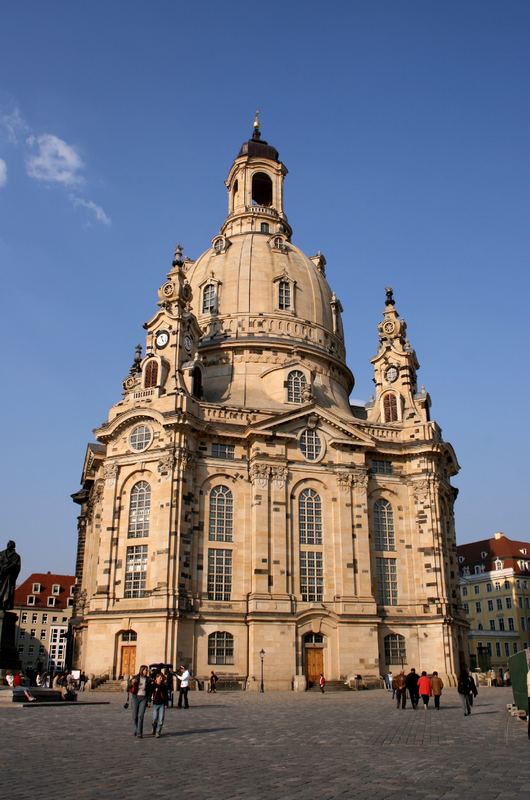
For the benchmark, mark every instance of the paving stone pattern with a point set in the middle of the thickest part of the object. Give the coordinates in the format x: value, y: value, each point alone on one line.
x: 277, y: 745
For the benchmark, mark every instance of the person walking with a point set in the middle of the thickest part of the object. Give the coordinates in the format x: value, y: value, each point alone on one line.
x: 437, y: 685
x: 424, y: 688
x: 399, y: 684
x: 139, y: 690
x: 322, y: 682
x: 464, y: 688
x: 473, y: 691
x: 184, y: 687
x: 213, y: 681
x: 412, y: 685
x: 158, y: 698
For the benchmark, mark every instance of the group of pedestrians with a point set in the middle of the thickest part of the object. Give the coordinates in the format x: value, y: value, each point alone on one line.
x: 424, y: 687
x: 145, y: 690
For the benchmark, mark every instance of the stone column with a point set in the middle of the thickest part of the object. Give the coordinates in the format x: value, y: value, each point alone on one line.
x: 259, y: 476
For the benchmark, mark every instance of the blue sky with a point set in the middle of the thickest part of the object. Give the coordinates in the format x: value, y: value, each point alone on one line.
x: 405, y: 127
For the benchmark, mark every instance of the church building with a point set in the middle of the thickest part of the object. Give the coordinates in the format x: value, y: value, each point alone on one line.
x: 237, y: 513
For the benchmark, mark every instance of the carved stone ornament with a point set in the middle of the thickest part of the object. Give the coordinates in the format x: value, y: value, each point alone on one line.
x: 95, y: 499
x: 344, y: 479
x: 168, y: 291
x: 279, y: 477
x: 185, y: 456
x: 306, y: 393
x: 80, y: 602
x: 166, y: 463
x: 259, y: 475
x: 129, y: 383
x: 110, y: 471
x: 422, y: 490
x: 359, y: 479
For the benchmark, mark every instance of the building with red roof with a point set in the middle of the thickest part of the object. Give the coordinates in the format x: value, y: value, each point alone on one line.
x: 43, y: 604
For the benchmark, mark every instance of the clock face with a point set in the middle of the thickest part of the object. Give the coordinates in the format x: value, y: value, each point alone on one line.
x: 391, y: 374
x: 162, y: 338
x: 188, y: 343
x: 388, y: 327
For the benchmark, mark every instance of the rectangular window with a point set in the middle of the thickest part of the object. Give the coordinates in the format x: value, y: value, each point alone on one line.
x: 506, y: 648
x: 477, y: 588
x: 381, y: 467
x: 511, y: 626
x: 527, y: 602
x: 24, y: 617
x: 514, y: 648
x: 464, y: 591
x: 501, y: 623
x: 35, y: 588
x: 44, y: 619
x: 56, y: 589
x: 311, y: 576
x: 490, y: 605
x: 478, y: 607
x: 489, y: 587
x: 523, y: 623
x: 136, y: 571
x: 284, y: 295
x: 466, y: 608
x: 386, y: 570
x: 499, y: 603
x: 57, y: 652
x: 220, y: 450
x: 221, y: 648
x: 492, y: 624
x: 31, y: 600
x: 219, y: 574
x: 508, y: 602
x: 32, y: 632
x: 43, y: 635
x: 34, y: 618
x: 498, y: 648
x: 520, y: 601
x: 488, y: 645
x: 51, y: 601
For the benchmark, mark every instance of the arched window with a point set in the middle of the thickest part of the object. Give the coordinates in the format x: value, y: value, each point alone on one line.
x: 196, y: 383
x: 221, y: 515
x: 261, y: 189
x: 310, y: 517
x: 209, y: 299
x: 284, y: 295
x: 295, y: 383
x: 220, y: 648
x: 139, y: 510
x: 390, y: 407
x: 395, y: 649
x: 151, y: 374
x: 264, y: 227
x: 384, y: 525
x: 310, y: 444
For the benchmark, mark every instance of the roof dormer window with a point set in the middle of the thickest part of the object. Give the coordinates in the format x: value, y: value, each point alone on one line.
x: 498, y: 564
x: 51, y: 601
x: 209, y: 299
x: 31, y: 600
x: 56, y: 589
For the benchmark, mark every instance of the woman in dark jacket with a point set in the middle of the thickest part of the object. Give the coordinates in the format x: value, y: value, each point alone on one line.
x: 158, y: 697
x: 464, y: 690
x: 139, y: 689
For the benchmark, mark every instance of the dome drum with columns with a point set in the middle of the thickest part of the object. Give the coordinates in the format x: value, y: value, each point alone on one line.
x: 235, y: 501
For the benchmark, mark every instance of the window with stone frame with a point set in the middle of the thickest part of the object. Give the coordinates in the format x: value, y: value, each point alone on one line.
x: 151, y: 374
x: 220, y: 648
x: 139, y: 510
x: 395, y: 649
x: 310, y: 444
x: 384, y: 525
x: 219, y: 574
x: 381, y: 467
x: 310, y: 517
x: 221, y: 514
x: 387, y: 589
x: 209, y: 299
x: 136, y: 571
x: 390, y: 408
x: 284, y: 295
x: 311, y: 576
x: 295, y: 384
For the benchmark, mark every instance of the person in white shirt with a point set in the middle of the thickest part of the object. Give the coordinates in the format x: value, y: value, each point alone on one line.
x: 184, y: 687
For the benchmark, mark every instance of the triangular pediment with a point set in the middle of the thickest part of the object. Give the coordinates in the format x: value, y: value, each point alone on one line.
x: 339, y: 429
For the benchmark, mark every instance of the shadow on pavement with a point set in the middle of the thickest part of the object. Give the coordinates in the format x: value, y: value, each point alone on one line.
x: 196, y: 730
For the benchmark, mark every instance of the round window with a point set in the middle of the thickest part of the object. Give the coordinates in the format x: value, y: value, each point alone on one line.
x: 310, y: 445
x: 140, y: 437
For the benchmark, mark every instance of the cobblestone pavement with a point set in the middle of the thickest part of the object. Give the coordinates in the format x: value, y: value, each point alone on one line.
x: 229, y: 746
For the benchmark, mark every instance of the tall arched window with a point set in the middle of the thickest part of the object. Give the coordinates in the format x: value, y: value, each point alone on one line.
x: 220, y: 648
x: 284, y: 295
x: 209, y: 299
x: 295, y: 383
x: 310, y: 517
x: 221, y: 516
x: 151, y: 374
x: 390, y: 407
x: 139, y: 510
x: 261, y: 189
x: 384, y: 526
x: 196, y: 383
x: 395, y: 649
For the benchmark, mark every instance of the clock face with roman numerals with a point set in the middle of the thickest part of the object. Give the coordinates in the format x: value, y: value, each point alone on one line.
x: 162, y: 338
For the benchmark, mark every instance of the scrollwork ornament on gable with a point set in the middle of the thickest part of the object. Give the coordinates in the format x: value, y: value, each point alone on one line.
x: 259, y: 475
x: 110, y: 472
x: 279, y: 477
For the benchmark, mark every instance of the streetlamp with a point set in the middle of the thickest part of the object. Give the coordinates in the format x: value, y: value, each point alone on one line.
x: 262, y: 656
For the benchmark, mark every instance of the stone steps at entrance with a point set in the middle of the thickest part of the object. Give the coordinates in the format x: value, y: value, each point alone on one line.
x: 331, y: 686
x: 109, y: 686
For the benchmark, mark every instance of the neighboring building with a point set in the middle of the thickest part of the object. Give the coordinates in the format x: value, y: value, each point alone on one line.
x: 44, y: 604
x: 236, y: 502
x: 495, y: 592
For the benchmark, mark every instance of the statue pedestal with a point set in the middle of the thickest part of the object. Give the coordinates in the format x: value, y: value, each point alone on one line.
x: 8, y: 651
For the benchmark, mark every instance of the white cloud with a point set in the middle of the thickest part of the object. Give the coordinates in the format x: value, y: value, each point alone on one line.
x: 3, y: 172
x: 54, y: 161
x: 99, y: 213
x: 15, y: 125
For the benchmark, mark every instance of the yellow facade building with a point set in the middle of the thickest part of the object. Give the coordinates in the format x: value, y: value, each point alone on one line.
x: 236, y: 504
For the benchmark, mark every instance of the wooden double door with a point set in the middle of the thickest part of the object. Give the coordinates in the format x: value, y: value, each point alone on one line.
x: 314, y: 664
x: 128, y: 659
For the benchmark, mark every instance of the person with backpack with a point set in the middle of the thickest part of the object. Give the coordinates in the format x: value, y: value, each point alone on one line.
x: 139, y: 690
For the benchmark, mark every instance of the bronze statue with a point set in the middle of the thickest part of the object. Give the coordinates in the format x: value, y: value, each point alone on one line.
x: 9, y: 569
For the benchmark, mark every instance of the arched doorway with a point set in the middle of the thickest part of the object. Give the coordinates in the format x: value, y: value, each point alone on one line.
x: 127, y: 647
x: 313, y: 657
